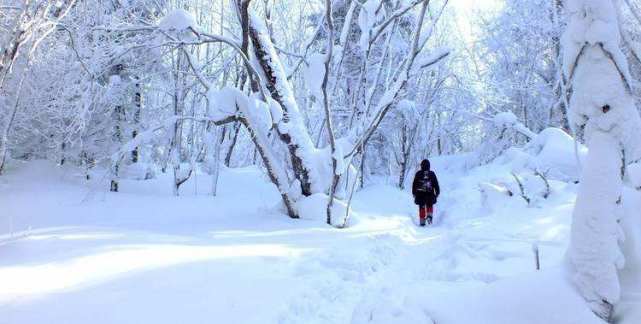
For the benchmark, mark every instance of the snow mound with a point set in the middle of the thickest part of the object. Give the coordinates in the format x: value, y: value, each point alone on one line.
x: 540, y: 297
x: 139, y: 171
x: 385, y: 199
x: 499, y: 196
x: 314, y: 207
x: 322, y: 173
x: 634, y: 175
x: 552, y: 152
x: 390, y: 309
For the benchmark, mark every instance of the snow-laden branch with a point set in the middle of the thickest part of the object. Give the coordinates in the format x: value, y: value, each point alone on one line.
x: 28, y: 25
x: 167, y: 124
x: 435, y: 58
x: 507, y: 120
x: 392, y: 94
x: 379, y: 29
x: 75, y: 50
x: 181, y: 31
x: 308, y: 45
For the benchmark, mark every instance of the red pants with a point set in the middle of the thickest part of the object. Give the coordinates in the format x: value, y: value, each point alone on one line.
x: 424, y: 211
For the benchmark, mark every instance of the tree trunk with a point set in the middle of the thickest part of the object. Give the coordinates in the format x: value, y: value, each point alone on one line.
x: 115, y: 168
x: 275, y: 172
x: 176, y: 147
x: 4, y: 136
x: 242, y: 10
x: 135, y: 153
x: 230, y: 150
x: 404, y: 158
x: 603, y: 106
x: 296, y: 137
x: 328, y: 116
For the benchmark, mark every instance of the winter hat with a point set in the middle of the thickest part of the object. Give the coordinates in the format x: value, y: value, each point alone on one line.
x: 425, y: 165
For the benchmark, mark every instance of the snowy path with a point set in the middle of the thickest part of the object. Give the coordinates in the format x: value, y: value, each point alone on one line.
x: 234, y: 259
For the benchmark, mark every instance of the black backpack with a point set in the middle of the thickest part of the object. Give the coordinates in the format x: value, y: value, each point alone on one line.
x: 425, y: 183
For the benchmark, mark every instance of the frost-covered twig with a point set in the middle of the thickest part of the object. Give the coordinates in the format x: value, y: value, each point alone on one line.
x: 349, y: 200
x: 377, y: 31
x: 537, y: 257
x: 521, y: 188
x: 302, y: 57
x: 543, y: 177
x: 75, y: 50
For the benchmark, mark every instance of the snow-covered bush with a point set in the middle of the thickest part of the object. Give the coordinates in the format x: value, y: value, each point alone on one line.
x: 503, y: 132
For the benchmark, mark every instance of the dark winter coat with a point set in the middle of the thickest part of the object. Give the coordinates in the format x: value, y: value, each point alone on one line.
x: 425, y: 187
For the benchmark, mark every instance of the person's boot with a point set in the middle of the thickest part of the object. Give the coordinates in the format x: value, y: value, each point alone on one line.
x: 422, y: 220
x: 429, y: 220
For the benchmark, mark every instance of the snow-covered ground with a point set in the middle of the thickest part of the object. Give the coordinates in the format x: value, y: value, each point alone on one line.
x: 79, y: 254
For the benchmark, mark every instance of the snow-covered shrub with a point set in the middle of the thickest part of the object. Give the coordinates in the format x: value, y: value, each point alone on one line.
x: 524, y: 189
x: 503, y: 131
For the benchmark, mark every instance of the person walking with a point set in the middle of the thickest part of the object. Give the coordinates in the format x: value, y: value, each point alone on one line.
x: 425, y: 189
